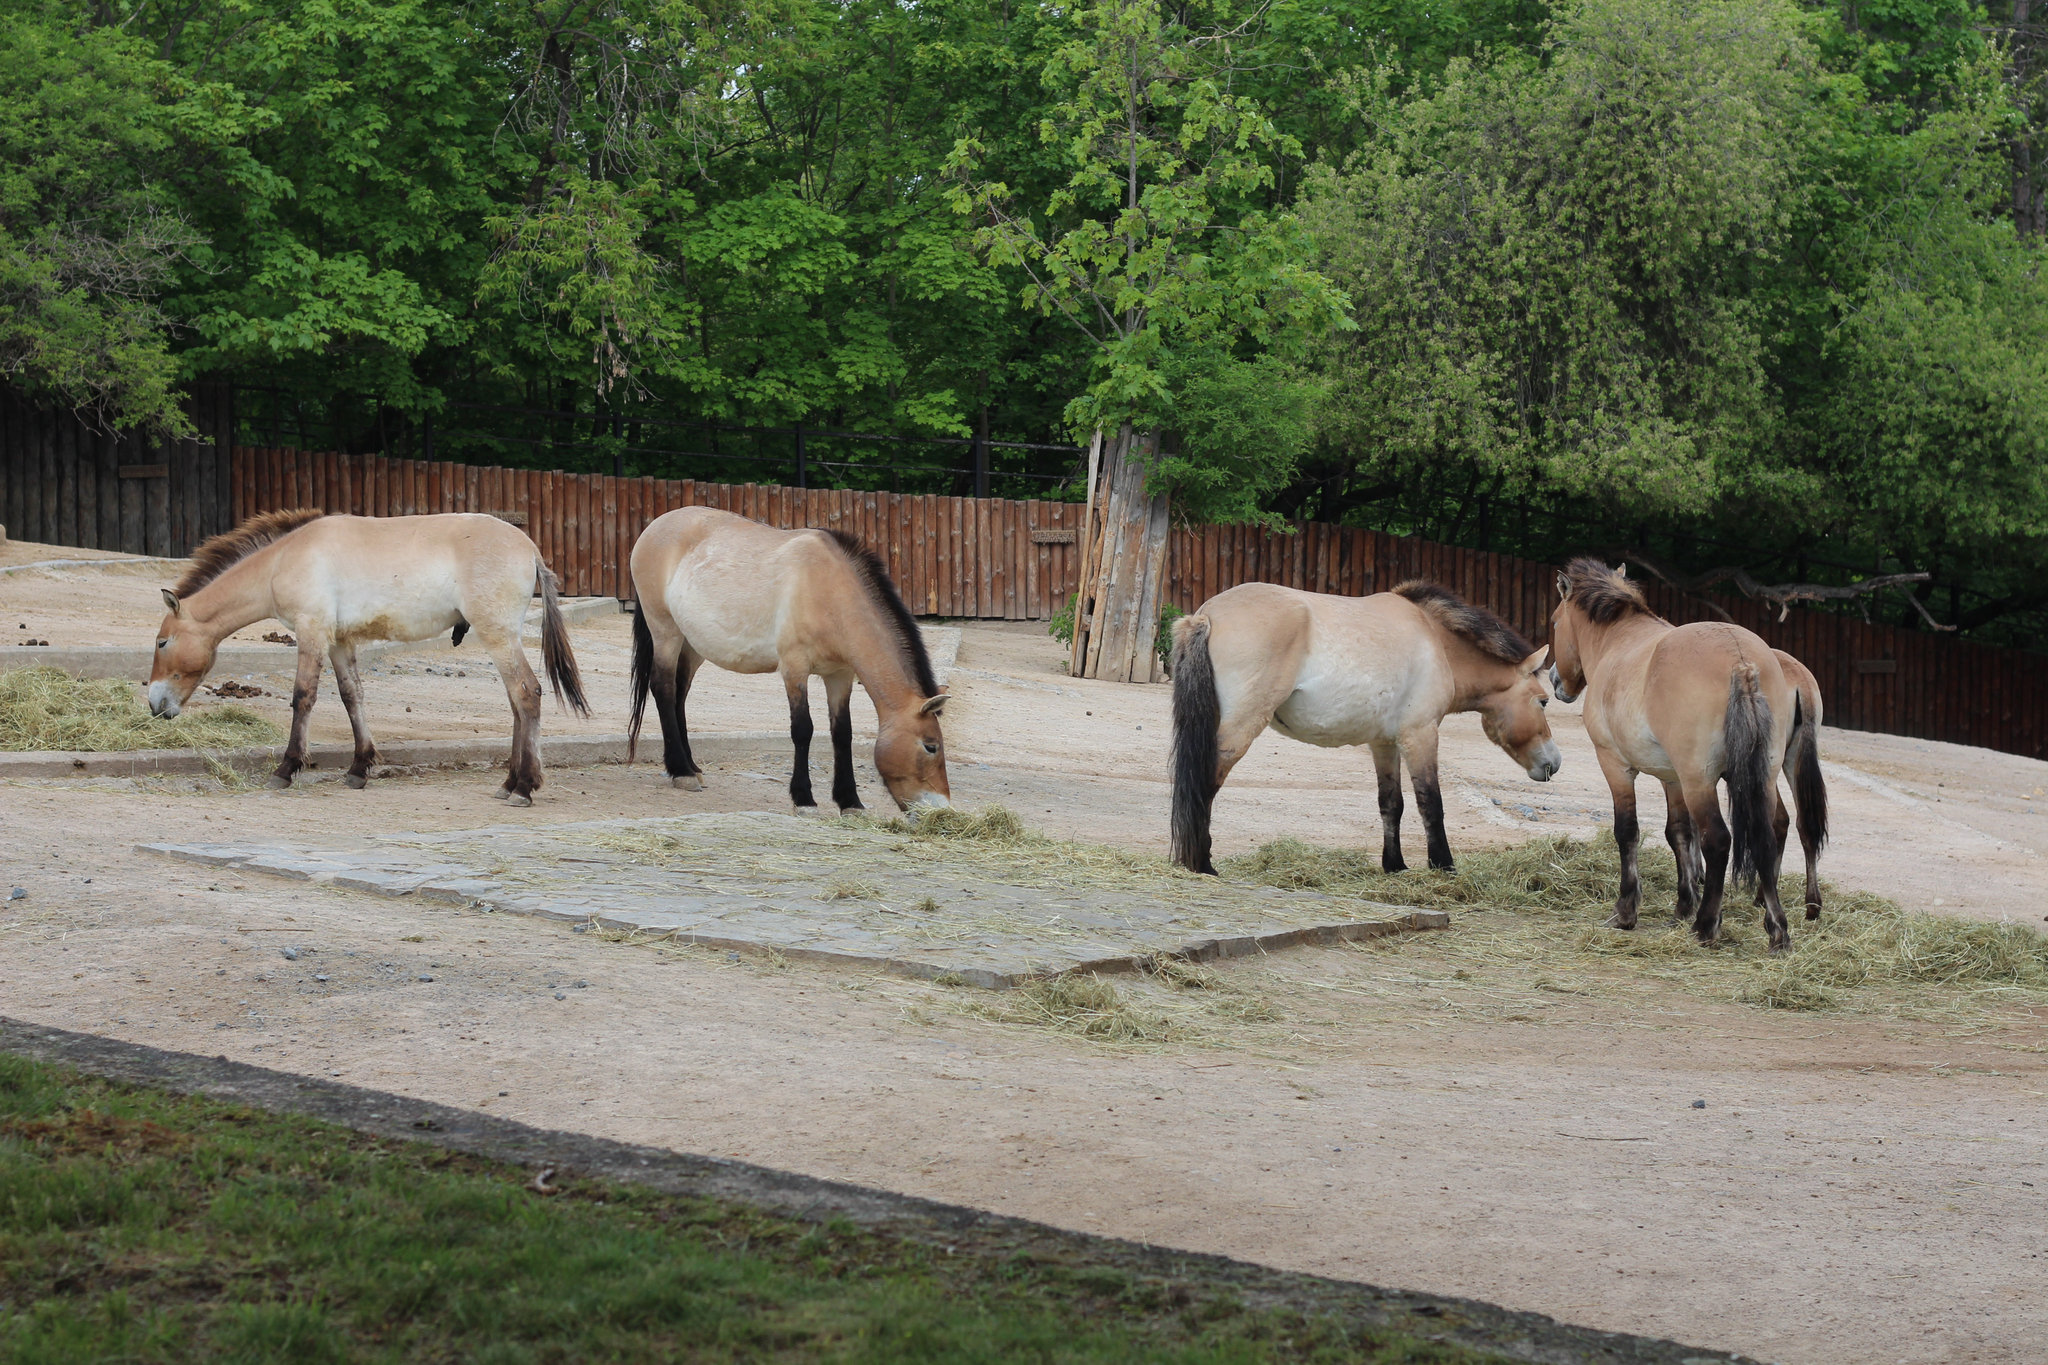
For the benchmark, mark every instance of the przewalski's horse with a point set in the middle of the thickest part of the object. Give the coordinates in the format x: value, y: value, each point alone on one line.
x: 1692, y: 706
x: 340, y: 581
x: 753, y: 599
x: 1381, y: 671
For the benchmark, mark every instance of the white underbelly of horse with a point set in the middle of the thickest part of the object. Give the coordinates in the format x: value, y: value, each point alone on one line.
x: 415, y: 620
x: 739, y: 643
x: 1333, y: 714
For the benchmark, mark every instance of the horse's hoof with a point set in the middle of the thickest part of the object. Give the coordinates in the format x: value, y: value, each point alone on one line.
x: 1813, y: 912
x: 515, y: 799
x: 278, y: 784
x: 687, y: 782
x: 503, y: 793
x: 811, y: 809
x: 1617, y: 921
x: 356, y: 781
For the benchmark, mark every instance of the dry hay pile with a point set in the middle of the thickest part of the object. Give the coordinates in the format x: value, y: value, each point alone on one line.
x: 48, y: 709
x: 1544, y: 904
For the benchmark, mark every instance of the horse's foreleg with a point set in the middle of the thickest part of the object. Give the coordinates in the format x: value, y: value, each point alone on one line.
x: 522, y: 692
x: 1386, y: 765
x: 1419, y: 747
x: 1704, y: 804
x: 1684, y: 841
x: 349, y: 683
x: 839, y: 708
x: 1621, y: 786
x: 800, y: 728
x: 305, y: 687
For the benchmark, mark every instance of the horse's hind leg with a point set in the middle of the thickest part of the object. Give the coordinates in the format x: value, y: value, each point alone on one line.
x: 1621, y: 786
x: 1703, y: 803
x: 798, y: 685
x: 1386, y: 765
x: 1781, y: 830
x: 1767, y: 876
x: 1685, y: 850
x: 674, y: 668
x: 349, y: 683
x: 522, y: 690
x: 305, y: 687
x: 839, y: 708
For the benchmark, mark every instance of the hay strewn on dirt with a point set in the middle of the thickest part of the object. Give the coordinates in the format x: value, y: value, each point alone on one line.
x: 47, y: 709
x: 1545, y: 903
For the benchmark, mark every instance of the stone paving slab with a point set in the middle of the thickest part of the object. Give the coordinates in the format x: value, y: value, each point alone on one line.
x: 988, y: 914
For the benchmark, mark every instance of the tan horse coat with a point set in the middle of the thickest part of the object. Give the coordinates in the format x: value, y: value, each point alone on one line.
x: 1382, y: 671
x: 1691, y: 706
x: 341, y: 581
x: 749, y: 598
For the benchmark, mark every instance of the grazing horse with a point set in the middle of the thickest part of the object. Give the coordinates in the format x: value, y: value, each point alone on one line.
x: 1381, y: 671
x: 753, y: 599
x: 1693, y: 706
x: 339, y: 581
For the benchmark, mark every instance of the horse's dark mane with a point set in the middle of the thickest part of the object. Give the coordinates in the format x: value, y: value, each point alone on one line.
x: 874, y: 576
x: 1604, y: 595
x: 230, y: 548
x: 1477, y: 626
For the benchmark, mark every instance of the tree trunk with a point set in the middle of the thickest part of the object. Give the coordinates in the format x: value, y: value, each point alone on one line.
x: 1116, y: 618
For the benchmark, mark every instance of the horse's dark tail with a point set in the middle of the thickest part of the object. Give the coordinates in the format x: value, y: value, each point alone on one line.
x: 1746, y: 766
x: 555, y: 654
x: 1196, y: 715
x: 643, y: 678
x: 1809, y: 791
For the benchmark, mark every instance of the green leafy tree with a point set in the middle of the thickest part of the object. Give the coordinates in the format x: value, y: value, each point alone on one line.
x: 89, y: 235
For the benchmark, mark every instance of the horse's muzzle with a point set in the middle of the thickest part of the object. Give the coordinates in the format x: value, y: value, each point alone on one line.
x: 930, y: 800
x: 1548, y: 761
x: 161, y: 703
x: 1557, y: 688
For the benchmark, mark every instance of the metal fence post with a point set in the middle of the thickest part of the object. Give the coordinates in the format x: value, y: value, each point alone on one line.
x: 980, y: 466
x: 802, y: 472
x: 427, y: 434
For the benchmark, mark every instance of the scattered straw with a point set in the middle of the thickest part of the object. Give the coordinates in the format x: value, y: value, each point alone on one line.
x: 1082, y: 1004
x: 48, y: 709
x: 1543, y: 904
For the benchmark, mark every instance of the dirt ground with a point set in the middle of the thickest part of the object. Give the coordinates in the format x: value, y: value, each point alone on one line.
x: 1855, y: 1189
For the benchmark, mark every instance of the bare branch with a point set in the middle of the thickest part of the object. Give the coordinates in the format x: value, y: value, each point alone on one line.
x: 1783, y: 595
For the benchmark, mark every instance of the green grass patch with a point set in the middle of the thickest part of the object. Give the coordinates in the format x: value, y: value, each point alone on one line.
x: 1550, y: 898
x: 47, y: 709
x: 140, y: 1226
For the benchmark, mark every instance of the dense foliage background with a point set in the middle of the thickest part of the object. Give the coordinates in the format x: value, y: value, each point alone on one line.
x: 1724, y: 281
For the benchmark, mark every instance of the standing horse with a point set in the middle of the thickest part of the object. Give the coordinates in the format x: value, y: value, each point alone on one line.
x: 753, y: 599
x: 339, y: 581
x: 1693, y: 706
x: 1381, y: 671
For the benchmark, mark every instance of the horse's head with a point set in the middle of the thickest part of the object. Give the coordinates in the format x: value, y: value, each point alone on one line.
x: 1567, y: 670
x: 910, y: 754
x: 184, y: 655
x: 1513, y: 719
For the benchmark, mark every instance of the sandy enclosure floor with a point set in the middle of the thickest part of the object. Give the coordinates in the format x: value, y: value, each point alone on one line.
x: 1856, y: 1188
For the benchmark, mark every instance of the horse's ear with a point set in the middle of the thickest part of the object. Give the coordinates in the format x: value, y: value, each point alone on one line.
x: 171, y: 601
x: 1564, y: 587
x: 1621, y: 569
x: 933, y: 705
x: 1534, y: 663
